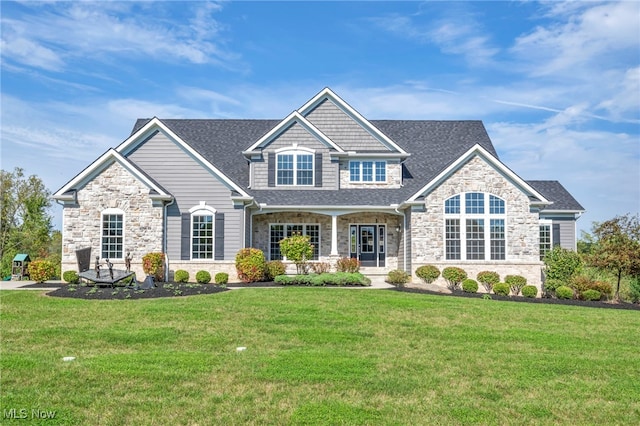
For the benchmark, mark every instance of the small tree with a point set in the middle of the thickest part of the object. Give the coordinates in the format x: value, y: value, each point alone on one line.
x: 561, y: 264
x: 515, y: 283
x: 454, y: 277
x: 488, y: 279
x: 617, y: 248
x: 298, y: 249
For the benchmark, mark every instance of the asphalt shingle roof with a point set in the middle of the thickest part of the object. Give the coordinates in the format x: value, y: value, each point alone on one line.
x: 554, y: 191
x: 433, y: 145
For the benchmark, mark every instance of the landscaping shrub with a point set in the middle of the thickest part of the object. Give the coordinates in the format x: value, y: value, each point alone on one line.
x: 321, y: 267
x: 530, y: 291
x: 605, y: 289
x: 326, y: 279
x: 41, y: 270
x: 470, y: 286
x: 634, y: 289
x: 591, y: 295
x: 181, y: 276
x: 562, y: 264
x: 71, y: 277
x: 488, y: 279
x: 221, y: 278
x: 501, y: 289
x: 454, y: 277
x: 551, y: 284
x: 515, y: 282
x: 274, y: 268
x: 580, y: 284
x: 428, y: 273
x: 348, y: 264
x: 203, y: 277
x: 564, y: 292
x: 397, y: 277
x: 153, y: 264
x: 298, y: 249
x: 251, y: 265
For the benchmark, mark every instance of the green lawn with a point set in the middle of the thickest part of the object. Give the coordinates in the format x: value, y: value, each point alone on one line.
x: 317, y: 355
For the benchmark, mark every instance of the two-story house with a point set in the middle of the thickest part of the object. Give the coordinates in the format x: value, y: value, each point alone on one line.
x: 396, y: 194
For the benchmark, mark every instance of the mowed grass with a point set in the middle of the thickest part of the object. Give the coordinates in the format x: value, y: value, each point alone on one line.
x: 317, y: 356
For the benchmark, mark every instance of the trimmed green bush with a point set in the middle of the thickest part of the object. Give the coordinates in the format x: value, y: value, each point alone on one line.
x: 428, y: 273
x: 41, y: 270
x: 562, y: 264
x: 203, y: 277
x: 501, y: 289
x: 634, y: 289
x: 591, y: 295
x: 251, y: 265
x: 397, y: 277
x: 181, y: 276
x: 274, y: 268
x: 470, y: 286
x: 551, y: 284
x: 488, y: 279
x: 71, y: 277
x: 221, y: 278
x: 326, y: 279
x: 348, y: 264
x: 153, y: 264
x: 530, y: 291
x: 454, y: 277
x: 564, y: 292
x: 603, y: 287
x: 515, y: 282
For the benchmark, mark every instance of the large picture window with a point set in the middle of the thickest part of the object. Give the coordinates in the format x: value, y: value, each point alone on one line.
x: 471, y: 230
x: 280, y: 231
x: 367, y: 171
x: 112, y: 234
x: 294, y: 168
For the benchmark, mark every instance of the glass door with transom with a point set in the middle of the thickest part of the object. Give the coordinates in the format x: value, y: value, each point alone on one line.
x: 367, y: 244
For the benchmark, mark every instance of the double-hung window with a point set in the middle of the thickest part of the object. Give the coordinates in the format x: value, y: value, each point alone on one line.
x: 112, y: 238
x: 367, y: 171
x: 280, y: 231
x: 202, y: 232
x: 474, y: 227
x: 294, y: 167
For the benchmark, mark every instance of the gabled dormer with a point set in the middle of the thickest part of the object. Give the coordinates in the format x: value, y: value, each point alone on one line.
x: 326, y: 144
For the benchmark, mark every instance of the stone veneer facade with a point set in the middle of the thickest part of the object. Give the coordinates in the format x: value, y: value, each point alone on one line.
x: 113, y: 188
x: 521, y: 225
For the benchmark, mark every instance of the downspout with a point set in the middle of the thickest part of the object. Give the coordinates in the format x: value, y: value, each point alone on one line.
x: 164, y: 239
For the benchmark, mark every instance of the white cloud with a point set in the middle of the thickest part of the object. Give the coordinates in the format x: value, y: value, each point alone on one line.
x: 62, y: 32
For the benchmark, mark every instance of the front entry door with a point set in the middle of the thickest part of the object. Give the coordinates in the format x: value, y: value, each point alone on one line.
x: 367, y: 244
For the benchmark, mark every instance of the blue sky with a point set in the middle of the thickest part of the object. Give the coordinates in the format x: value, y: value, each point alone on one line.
x: 557, y: 84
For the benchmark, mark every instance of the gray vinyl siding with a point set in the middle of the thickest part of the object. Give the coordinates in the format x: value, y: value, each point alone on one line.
x: 342, y: 129
x: 296, y: 134
x: 190, y: 183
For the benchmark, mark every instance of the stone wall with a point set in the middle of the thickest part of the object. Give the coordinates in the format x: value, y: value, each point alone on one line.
x: 522, y: 226
x: 113, y: 188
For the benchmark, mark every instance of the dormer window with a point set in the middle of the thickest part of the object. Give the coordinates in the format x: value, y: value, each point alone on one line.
x: 294, y: 167
x: 367, y: 171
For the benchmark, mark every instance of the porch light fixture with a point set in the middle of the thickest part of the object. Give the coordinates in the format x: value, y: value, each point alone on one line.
x: 398, y: 228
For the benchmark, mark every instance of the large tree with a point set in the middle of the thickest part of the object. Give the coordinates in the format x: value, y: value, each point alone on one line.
x: 617, y: 247
x: 25, y: 222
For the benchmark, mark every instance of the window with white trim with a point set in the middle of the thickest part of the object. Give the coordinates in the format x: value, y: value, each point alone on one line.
x: 367, y: 171
x: 280, y: 231
x: 545, y: 238
x: 112, y: 234
x: 202, y: 232
x: 466, y: 234
x: 294, y: 167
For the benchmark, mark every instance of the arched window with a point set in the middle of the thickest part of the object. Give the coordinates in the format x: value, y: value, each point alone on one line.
x: 294, y: 166
x: 202, y: 231
x: 112, y: 234
x: 474, y: 227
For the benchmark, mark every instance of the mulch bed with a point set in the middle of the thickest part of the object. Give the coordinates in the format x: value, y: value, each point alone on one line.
x: 521, y: 299
x: 128, y: 292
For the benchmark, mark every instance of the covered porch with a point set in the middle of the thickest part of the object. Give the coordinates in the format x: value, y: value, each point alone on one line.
x: 374, y: 237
